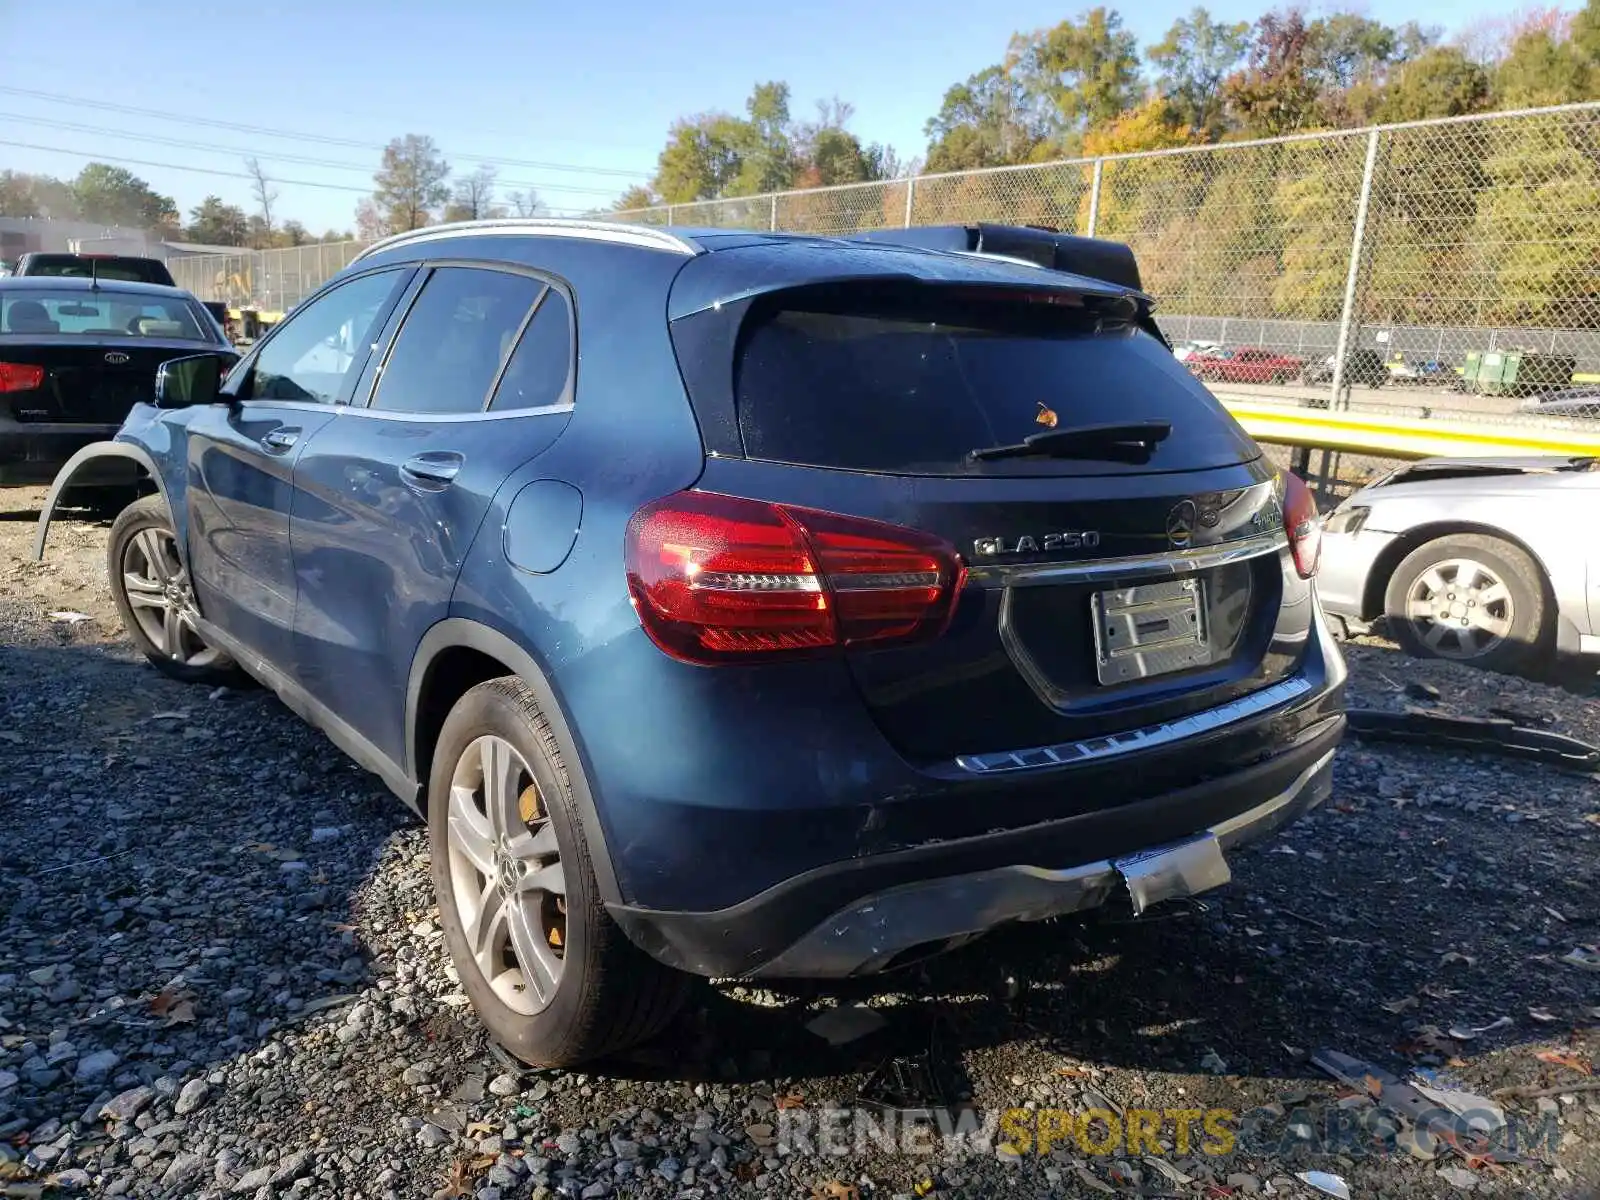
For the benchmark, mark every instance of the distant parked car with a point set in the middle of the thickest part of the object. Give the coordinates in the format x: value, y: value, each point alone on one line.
x: 1249, y: 365
x: 75, y: 356
x: 1184, y: 351
x: 1480, y: 560
x: 1364, y: 367
x: 1565, y: 402
x: 124, y: 267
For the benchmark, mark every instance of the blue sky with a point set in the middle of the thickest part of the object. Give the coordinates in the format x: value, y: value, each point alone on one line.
x: 576, y: 92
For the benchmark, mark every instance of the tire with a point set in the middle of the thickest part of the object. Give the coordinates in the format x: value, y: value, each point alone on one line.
x: 602, y: 994
x: 1509, y: 626
x: 142, y: 546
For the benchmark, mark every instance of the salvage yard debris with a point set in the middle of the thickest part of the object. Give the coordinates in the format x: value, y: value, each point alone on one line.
x: 1492, y: 735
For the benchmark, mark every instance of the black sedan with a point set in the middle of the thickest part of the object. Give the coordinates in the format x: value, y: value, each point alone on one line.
x: 76, y: 355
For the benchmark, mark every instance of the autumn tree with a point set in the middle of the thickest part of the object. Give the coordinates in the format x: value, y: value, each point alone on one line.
x: 1440, y: 82
x: 986, y: 121
x: 1275, y: 94
x: 410, y: 187
x: 1085, y: 71
x: 213, y: 223
x: 636, y: 197
x: 1192, y: 61
x: 526, y: 204
x: 473, y: 197
x: 118, y: 197
x: 702, y: 158
x: 17, y: 198
x: 265, y: 195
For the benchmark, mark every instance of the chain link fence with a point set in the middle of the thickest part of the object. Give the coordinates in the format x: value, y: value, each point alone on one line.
x: 271, y: 281
x: 1456, y: 262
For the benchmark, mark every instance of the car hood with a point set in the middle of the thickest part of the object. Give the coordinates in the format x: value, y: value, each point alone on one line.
x: 1437, y: 478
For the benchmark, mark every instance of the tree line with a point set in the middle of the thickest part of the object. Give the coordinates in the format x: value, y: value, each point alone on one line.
x: 104, y: 194
x: 1085, y: 87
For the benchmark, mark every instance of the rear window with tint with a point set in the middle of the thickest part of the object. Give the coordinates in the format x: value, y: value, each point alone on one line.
x: 130, y: 270
x: 909, y: 381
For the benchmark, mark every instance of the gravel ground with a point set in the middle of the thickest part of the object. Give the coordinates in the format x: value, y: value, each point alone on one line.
x: 220, y: 974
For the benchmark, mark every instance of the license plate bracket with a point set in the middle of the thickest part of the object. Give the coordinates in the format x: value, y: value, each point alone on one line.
x: 1147, y: 630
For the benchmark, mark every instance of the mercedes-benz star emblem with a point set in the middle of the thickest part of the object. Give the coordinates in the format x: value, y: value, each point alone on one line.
x: 1181, y: 522
x: 116, y: 358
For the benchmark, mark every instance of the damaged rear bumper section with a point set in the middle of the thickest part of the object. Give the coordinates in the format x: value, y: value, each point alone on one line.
x: 873, y: 914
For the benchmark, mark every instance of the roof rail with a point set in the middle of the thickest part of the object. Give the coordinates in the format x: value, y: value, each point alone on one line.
x: 643, y: 236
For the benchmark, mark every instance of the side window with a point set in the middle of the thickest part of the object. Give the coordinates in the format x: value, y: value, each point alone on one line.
x: 310, y: 356
x: 454, y: 339
x: 541, y: 365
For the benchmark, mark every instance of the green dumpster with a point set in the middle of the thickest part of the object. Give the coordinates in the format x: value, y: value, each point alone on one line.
x: 1516, y: 372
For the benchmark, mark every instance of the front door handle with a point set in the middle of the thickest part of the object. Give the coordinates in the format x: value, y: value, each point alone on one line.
x: 280, y: 440
x: 434, y: 470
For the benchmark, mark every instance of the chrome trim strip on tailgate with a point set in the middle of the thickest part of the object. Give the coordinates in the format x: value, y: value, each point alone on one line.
x: 1165, y: 565
x: 1113, y: 744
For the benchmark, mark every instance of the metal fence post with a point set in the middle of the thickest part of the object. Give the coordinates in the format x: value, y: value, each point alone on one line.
x: 911, y: 196
x: 1352, y: 276
x: 671, y: 208
x: 773, y: 224
x: 1094, y: 196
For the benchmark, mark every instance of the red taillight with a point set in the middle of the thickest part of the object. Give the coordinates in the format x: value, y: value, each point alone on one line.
x: 719, y: 578
x: 20, y: 377
x: 1301, y: 523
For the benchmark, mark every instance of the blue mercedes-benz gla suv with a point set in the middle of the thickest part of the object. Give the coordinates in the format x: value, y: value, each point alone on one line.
x: 741, y: 604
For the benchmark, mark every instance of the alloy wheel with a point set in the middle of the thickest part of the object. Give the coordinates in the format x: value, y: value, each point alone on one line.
x: 1460, y: 608
x: 162, y: 600
x: 506, y: 876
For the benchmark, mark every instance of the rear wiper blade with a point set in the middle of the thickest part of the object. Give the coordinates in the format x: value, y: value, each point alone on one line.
x: 1133, y: 441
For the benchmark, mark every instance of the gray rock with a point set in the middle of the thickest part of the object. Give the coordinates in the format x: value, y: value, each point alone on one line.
x: 432, y: 1136
x: 125, y: 1106
x: 74, y: 1179
x: 595, y: 1190
x: 183, y: 1170
x: 505, y: 1085
x: 296, y: 1165
x: 191, y: 1097
x: 94, y: 1067
x: 253, y: 1181
x: 416, y: 1074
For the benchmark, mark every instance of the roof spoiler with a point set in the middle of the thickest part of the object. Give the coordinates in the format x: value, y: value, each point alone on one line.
x: 1112, y: 262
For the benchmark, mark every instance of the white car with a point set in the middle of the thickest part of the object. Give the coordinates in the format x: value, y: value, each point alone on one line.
x: 1491, y: 561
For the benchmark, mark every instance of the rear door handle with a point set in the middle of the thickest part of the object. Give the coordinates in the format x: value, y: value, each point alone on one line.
x: 280, y: 440
x: 434, y: 470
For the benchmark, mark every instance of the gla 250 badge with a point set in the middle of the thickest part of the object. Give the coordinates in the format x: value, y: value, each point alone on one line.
x: 1073, y: 539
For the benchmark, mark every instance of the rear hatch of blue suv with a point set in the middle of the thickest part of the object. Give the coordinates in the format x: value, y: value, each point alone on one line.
x: 1073, y: 601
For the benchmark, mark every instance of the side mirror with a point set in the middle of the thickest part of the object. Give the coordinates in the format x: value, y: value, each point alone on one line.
x: 185, y: 382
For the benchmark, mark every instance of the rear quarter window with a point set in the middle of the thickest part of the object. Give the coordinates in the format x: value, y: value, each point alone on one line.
x: 908, y: 382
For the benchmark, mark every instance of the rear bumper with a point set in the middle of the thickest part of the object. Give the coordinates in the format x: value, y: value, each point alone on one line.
x: 863, y: 915
x: 32, y: 454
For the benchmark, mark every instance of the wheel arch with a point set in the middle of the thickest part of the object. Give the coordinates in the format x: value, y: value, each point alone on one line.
x: 1384, y: 566
x: 63, y: 481
x: 457, y: 654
